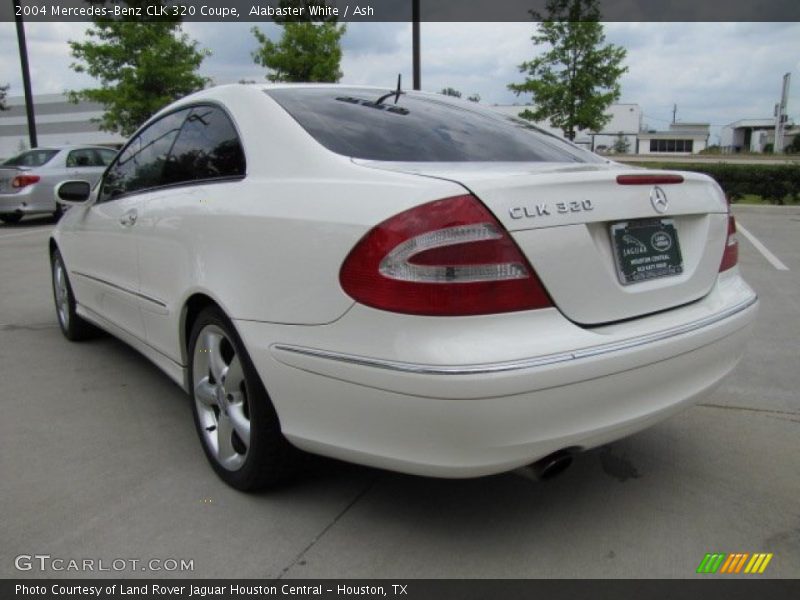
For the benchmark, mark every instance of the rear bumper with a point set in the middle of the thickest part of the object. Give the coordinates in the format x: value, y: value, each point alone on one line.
x: 29, y: 200
x: 544, y: 384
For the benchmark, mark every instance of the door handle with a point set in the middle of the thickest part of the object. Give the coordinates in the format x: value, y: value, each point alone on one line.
x: 129, y: 218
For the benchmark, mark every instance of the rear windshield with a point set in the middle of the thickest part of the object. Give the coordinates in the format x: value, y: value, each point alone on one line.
x: 31, y: 158
x: 418, y: 128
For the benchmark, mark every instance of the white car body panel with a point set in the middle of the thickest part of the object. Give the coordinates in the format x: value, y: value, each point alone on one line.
x: 105, y: 260
x: 446, y: 396
x: 603, y: 384
x: 504, y: 186
x: 588, y: 291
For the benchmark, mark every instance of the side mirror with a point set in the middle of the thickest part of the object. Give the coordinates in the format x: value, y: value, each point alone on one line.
x: 73, y: 192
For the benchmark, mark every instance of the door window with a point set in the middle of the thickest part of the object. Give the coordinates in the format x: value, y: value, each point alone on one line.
x: 85, y: 157
x: 140, y: 165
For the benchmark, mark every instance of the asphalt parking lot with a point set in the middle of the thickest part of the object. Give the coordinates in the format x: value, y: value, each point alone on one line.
x: 99, y: 459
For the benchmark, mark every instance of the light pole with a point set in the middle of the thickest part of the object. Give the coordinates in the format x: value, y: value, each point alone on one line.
x: 780, y: 115
x: 415, y: 44
x: 26, y: 76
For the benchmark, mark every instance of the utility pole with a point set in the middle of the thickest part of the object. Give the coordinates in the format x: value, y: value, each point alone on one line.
x: 26, y: 76
x: 674, y: 112
x: 415, y: 44
x: 780, y: 115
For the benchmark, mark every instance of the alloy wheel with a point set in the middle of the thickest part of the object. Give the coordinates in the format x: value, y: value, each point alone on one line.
x: 61, y: 292
x: 220, y: 395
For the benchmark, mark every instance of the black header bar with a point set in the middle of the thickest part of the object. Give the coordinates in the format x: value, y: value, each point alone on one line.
x: 232, y: 11
x: 736, y: 588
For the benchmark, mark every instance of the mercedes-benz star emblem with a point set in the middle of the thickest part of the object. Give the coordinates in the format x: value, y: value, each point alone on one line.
x: 659, y: 200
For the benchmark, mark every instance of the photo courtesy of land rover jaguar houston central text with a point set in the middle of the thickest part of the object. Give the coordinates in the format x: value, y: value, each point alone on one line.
x: 399, y: 279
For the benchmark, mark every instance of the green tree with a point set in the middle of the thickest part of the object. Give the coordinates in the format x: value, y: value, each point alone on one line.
x: 3, y: 92
x: 621, y: 144
x: 576, y: 79
x: 142, y: 65
x: 448, y: 91
x: 309, y: 49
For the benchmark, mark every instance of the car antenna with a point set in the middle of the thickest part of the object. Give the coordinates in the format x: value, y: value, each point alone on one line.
x: 395, y: 93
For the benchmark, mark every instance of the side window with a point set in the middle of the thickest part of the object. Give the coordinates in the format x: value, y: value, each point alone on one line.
x: 208, y: 147
x: 106, y: 156
x: 85, y: 157
x: 140, y: 165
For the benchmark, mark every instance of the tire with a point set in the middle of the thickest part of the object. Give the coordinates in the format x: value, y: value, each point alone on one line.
x: 11, y: 218
x: 233, y: 414
x: 72, y: 325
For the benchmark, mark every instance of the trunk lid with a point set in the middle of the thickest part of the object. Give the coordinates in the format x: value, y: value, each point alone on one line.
x: 581, y: 230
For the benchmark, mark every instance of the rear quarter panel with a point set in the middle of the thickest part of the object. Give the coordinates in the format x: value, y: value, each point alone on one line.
x: 269, y: 247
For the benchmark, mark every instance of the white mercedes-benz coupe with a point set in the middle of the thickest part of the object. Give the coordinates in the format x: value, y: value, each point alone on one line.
x: 401, y: 280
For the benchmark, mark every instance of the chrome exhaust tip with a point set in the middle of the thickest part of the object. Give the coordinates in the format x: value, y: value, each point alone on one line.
x: 548, y: 467
x: 553, y: 465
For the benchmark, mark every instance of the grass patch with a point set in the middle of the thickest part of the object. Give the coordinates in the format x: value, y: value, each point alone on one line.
x: 751, y: 199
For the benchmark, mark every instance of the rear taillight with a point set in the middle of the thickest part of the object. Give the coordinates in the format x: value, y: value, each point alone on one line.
x: 731, y: 255
x: 20, y: 181
x: 445, y: 258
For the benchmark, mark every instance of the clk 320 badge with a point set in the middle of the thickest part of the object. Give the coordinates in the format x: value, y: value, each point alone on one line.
x: 543, y: 209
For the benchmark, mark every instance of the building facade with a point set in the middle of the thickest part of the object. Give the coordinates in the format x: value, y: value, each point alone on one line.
x: 752, y: 135
x: 625, y: 123
x: 680, y: 138
x: 58, y: 122
x: 790, y: 134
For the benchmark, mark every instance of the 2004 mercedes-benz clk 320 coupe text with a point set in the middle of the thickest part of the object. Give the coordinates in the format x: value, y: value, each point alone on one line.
x: 400, y: 280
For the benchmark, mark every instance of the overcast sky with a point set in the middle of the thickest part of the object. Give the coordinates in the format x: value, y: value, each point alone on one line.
x: 714, y: 72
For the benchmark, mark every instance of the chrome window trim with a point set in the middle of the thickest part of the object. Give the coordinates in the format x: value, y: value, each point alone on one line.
x: 541, y: 361
x: 189, y: 107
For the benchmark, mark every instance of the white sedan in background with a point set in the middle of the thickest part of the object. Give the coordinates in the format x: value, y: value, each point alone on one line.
x: 401, y: 280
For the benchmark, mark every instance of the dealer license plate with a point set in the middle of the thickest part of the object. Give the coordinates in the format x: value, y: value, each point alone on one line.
x: 646, y: 249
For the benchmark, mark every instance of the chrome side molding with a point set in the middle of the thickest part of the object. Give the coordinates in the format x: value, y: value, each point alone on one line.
x: 540, y: 361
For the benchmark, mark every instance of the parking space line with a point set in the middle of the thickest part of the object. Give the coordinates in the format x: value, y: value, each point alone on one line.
x: 6, y: 236
x: 773, y: 260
